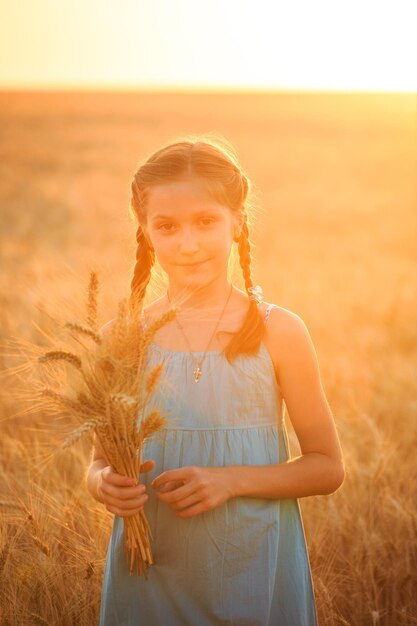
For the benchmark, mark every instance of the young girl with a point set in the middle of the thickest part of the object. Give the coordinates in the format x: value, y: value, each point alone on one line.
x: 220, y: 491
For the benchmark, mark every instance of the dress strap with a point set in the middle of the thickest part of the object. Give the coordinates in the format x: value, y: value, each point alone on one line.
x: 268, y: 311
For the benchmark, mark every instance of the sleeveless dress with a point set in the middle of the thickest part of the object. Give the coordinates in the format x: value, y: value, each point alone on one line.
x: 243, y: 563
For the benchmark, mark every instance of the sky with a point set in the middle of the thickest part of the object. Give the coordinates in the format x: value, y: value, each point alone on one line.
x: 322, y: 45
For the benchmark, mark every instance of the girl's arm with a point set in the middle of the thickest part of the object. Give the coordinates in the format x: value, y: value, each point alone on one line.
x: 319, y: 470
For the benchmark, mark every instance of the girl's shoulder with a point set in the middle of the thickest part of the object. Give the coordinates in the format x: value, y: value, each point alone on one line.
x: 279, y: 316
x: 286, y: 333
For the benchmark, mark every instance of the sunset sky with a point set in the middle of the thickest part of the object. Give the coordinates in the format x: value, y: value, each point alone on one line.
x: 228, y: 44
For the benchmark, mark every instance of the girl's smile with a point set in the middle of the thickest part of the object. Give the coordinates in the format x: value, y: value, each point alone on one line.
x: 198, y: 264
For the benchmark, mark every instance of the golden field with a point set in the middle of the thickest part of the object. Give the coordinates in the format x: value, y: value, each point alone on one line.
x: 334, y: 241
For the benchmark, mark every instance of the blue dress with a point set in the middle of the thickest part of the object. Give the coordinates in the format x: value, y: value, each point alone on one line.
x: 243, y: 563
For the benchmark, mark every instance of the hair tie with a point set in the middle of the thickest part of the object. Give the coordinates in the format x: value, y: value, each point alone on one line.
x: 256, y: 294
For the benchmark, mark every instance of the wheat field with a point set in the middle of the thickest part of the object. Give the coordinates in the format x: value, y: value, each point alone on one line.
x: 334, y: 241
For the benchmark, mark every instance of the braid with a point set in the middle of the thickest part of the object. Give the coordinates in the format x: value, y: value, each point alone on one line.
x: 249, y: 336
x: 244, y: 254
x: 145, y: 258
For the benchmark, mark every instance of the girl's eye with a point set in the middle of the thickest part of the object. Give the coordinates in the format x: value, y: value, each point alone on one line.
x: 168, y: 227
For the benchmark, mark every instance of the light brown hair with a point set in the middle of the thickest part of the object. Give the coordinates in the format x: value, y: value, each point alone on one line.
x: 214, y: 163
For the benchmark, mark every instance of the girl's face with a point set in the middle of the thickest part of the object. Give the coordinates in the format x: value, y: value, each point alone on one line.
x: 191, y: 234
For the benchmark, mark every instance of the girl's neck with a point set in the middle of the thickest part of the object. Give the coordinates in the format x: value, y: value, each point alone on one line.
x: 208, y: 297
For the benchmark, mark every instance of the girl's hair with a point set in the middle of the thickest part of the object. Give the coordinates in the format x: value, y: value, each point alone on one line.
x: 217, y: 167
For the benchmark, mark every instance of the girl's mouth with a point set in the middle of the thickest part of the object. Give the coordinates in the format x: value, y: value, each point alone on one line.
x: 193, y: 264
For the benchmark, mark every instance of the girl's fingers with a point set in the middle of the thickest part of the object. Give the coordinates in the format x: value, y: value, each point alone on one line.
x: 170, y: 486
x: 121, y: 480
x: 127, y: 505
x: 186, y: 502
x: 123, y: 493
x: 116, y: 479
x: 123, y: 512
x: 182, y: 491
x: 146, y: 466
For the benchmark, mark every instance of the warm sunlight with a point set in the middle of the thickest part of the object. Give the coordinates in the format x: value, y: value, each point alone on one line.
x: 193, y: 45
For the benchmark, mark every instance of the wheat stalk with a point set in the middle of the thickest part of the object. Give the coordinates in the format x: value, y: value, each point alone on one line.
x: 92, y: 301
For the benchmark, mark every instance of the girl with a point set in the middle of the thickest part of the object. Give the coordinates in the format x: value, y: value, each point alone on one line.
x: 220, y: 491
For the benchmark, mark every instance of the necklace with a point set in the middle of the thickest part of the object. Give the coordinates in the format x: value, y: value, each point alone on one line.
x: 198, y: 364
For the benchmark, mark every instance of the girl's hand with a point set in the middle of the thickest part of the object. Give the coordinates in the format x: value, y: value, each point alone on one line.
x: 120, y: 494
x: 192, y: 490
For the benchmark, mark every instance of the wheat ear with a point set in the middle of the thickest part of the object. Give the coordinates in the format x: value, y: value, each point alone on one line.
x: 61, y: 355
x: 85, y: 330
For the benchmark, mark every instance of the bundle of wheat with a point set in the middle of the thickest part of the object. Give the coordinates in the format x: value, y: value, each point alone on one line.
x: 109, y: 397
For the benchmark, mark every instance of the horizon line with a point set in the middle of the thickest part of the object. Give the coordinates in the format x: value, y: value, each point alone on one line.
x: 185, y: 88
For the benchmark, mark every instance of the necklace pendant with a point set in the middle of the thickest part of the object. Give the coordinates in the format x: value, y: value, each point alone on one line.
x: 197, y: 373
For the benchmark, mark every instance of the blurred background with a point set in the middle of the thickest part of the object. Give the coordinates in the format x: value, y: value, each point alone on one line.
x: 319, y: 100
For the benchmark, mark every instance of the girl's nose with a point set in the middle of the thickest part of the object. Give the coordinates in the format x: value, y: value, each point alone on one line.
x: 188, y: 242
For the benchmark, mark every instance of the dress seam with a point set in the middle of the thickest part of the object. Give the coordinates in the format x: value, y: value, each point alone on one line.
x: 263, y: 426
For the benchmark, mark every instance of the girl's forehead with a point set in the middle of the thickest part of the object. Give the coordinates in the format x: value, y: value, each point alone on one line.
x: 182, y: 196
